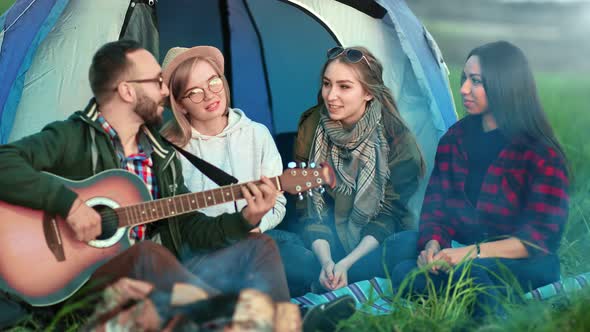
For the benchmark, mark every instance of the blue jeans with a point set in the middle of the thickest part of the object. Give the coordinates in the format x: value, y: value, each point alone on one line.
x: 300, y: 263
x: 491, y: 273
x: 303, y: 269
x: 253, y: 262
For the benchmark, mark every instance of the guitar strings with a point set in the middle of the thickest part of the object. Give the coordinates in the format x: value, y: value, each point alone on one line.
x: 111, y: 216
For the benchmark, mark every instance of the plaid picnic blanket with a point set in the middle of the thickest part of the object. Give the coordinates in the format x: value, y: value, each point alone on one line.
x: 371, y: 296
x: 374, y: 296
x: 567, y: 285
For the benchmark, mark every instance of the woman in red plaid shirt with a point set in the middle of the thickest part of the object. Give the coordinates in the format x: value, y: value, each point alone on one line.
x: 497, y: 195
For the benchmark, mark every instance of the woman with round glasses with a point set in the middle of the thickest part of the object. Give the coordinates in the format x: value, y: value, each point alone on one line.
x: 205, y: 125
x: 497, y: 196
x: 358, y: 130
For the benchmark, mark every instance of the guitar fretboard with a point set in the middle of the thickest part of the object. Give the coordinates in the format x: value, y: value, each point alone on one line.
x: 173, y: 206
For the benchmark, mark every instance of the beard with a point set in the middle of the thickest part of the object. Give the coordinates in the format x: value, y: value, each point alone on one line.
x: 147, y: 109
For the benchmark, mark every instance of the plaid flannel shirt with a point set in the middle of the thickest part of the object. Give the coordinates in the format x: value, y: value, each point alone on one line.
x: 523, y: 195
x: 139, y: 163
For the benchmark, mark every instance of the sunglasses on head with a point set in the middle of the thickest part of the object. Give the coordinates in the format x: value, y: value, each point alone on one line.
x: 350, y: 54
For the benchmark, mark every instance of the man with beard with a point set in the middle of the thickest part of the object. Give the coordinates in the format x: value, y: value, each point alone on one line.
x: 116, y: 130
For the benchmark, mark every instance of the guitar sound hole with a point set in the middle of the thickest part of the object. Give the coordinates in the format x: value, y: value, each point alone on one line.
x: 110, y: 221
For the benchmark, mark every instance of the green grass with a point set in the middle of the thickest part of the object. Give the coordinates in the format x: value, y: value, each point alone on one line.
x: 4, y: 5
x: 561, y: 314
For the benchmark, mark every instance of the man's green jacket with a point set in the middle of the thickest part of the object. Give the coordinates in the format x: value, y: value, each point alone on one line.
x: 64, y: 148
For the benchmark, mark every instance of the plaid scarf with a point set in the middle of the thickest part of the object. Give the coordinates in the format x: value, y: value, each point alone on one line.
x: 359, y: 157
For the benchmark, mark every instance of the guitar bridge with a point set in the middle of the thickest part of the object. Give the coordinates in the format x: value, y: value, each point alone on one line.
x: 53, y: 237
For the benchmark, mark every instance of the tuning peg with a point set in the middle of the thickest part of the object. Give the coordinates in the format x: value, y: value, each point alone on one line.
x: 292, y: 164
x: 302, y: 164
x: 300, y: 196
x: 310, y: 192
x: 321, y: 190
x: 312, y: 165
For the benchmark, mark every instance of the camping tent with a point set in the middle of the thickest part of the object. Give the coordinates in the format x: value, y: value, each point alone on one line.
x: 274, y: 51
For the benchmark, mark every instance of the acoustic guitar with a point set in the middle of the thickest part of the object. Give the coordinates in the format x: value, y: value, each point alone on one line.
x: 42, y: 262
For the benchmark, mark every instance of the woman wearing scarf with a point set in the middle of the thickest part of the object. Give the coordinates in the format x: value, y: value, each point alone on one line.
x: 357, y: 129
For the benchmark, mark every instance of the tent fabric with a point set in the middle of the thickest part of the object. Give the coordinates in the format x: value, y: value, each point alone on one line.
x: 424, y: 100
x: 57, y: 82
x: 249, y: 66
x: 274, y: 63
x: 24, y: 27
x: 294, y: 49
x: 141, y: 26
x: 13, y: 25
x: 2, y: 20
x: 450, y: 114
x: 425, y: 66
x: 188, y: 23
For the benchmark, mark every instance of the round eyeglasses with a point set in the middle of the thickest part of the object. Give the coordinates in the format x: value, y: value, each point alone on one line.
x: 197, y: 95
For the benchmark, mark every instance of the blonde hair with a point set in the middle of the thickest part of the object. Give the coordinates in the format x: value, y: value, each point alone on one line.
x: 178, y: 129
x: 370, y: 75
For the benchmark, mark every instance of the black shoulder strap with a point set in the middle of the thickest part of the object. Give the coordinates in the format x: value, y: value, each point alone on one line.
x: 212, y: 172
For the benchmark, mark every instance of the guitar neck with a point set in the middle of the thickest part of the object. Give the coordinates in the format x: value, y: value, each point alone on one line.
x: 150, y: 211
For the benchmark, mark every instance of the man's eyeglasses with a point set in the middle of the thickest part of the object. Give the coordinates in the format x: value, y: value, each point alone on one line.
x: 350, y: 54
x: 197, y: 95
x: 158, y: 80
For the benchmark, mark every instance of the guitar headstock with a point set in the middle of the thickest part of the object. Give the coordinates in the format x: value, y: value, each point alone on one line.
x: 299, y: 180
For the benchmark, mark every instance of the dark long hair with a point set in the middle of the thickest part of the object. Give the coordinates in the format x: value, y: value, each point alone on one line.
x: 512, y: 93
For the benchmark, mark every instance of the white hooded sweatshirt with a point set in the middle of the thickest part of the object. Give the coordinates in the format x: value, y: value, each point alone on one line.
x: 244, y: 149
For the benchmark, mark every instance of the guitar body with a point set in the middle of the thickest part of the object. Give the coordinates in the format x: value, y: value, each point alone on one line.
x: 42, y: 262
x: 32, y: 270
